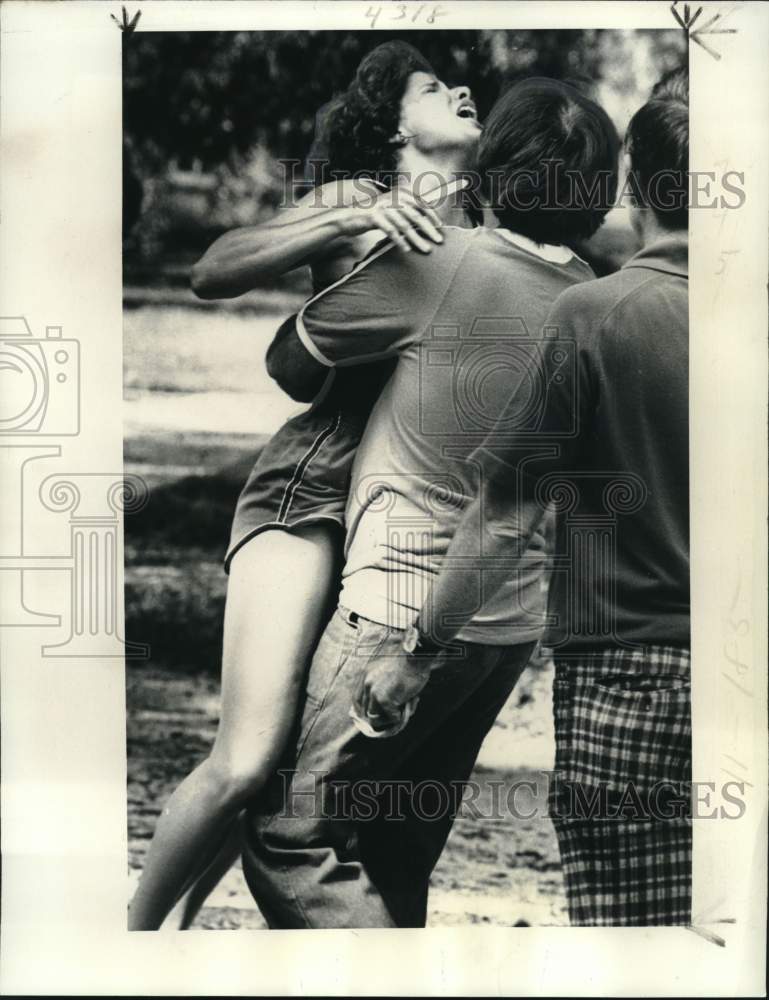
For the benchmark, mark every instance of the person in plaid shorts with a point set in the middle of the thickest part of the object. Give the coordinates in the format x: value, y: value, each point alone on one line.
x: 607, y: 399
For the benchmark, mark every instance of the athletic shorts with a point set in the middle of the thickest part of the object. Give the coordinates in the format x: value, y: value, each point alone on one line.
x: 302, y: 475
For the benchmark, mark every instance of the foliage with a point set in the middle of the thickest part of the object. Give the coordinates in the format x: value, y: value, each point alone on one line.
x: 205, y: 97
x: 231, y: 104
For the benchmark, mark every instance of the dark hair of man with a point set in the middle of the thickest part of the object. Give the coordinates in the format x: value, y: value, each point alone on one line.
x: 674, y: 85
x: 548, y: 155
x: 657, y: 141
x: 355, y: 133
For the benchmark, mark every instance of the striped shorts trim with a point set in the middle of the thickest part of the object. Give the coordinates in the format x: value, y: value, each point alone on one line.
x: 302, y: 465
x: 302, y: 477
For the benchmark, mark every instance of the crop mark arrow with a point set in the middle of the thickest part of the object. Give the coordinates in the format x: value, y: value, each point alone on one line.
x: 126, y: 26
x: 687, y: 23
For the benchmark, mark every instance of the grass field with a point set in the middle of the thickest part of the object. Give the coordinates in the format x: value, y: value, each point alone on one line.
x: 199, y: 406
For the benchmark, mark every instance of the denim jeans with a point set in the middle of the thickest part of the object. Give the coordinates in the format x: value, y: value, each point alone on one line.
x: 327, y: 844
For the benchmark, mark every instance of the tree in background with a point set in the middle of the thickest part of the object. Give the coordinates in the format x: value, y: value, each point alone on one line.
x: 223, y: 107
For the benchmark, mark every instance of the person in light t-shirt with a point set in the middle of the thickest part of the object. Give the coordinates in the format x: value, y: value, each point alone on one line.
x: 619, y: 604
x: 464, y: 325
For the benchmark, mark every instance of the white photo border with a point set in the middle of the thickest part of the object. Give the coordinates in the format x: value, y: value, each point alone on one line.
x: 64, y: 840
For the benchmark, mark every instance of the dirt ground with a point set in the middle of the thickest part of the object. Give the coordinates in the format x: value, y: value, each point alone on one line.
x: 495, y: 870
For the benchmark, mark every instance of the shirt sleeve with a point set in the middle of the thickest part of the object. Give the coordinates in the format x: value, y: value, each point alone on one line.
x: 548, y: 418
x: 382, y: 305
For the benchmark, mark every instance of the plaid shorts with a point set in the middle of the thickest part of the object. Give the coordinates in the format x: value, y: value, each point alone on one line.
x: 619, y: 799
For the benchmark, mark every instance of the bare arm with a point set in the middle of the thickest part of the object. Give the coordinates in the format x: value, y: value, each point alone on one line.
x: 496, y: 525
x: 493, y: 534
x: 371, y: 313
x: 337, y: 220
x: 241, y: 258
x: 289, y: 362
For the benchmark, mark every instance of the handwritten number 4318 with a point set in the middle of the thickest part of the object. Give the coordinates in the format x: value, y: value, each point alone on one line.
x: 401, y: 11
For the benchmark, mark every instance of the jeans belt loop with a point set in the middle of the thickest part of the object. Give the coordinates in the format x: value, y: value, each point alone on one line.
x: 351, y: 617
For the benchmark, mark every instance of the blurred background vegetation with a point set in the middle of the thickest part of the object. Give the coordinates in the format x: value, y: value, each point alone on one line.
x: 206, y: 118
x: 208, y: 115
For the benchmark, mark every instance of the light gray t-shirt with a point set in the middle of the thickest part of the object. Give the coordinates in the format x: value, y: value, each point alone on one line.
x: 466, y: 323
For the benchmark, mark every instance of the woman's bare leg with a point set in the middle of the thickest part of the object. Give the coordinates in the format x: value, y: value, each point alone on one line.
x: 183, y: 914
x: 279, y: 595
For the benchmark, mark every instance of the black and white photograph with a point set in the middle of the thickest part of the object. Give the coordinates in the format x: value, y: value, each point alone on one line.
x: 375, y: 497
x: 276, y: 194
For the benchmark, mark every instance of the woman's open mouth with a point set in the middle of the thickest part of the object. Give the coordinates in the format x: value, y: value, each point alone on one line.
x: 468, y: 110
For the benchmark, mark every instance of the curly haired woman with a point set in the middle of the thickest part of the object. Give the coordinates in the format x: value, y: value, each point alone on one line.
x: 396, y: 121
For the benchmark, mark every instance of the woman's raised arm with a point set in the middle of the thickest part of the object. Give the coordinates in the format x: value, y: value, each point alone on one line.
x: 341, y: 219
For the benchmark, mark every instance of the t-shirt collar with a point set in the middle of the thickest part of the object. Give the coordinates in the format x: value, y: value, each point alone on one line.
x: 555, y: 254
x: 670, y: 254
